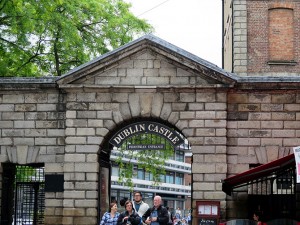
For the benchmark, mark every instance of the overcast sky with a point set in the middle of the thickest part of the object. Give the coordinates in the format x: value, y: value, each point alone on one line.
x: 193, y: 25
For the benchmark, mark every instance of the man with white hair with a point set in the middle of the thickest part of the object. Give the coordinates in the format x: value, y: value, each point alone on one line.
x: 157, y: 215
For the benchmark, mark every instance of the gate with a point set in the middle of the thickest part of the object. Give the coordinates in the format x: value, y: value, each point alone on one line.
x: 275, y: 194
x: 27, y: 206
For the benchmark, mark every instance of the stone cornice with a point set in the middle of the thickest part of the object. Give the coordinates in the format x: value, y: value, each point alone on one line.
x: 27, y: 83
x: 266, y: 83
x: 132, y: 88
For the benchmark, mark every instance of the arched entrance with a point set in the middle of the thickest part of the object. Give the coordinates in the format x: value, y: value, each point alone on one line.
x: 148, y: 78
x: 136, y: 146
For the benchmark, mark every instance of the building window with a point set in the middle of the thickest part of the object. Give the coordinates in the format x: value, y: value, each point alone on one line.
x: 180, y: 156
x: 179, y: 178
x: 140, y: 174
x: 135, y: 172
x: 114, y: 196
x: 115, y: 170
x: 148, y: 176
x: 170, y: 177
x: 281, y: 35
x: 170, y: 203
x: 163, y: 178
x: 179, y: 204
x: 285, y: 181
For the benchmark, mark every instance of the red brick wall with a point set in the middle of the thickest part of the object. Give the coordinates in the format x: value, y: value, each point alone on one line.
x: 259, y: 35
x: 281, y: 34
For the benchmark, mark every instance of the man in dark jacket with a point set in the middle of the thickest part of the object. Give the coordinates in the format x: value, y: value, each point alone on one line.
x: 157, y: 215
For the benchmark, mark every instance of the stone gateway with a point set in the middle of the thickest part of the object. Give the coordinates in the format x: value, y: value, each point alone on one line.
x: 67, y: 125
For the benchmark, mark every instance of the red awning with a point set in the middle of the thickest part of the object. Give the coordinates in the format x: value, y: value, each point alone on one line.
x: 258, y: 172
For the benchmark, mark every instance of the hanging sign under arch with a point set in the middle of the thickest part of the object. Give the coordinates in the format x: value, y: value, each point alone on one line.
x: 146, y: 127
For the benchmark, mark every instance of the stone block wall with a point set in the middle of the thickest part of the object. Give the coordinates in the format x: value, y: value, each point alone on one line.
x: 262, y: 126
x: 229, y: 124
x: 32, y: 130
x: 240, y: 37
x: 65, y: 128
x: 90, y: 117
x: 149, y: 85
x: 146, y: 68
x: 228, y: 130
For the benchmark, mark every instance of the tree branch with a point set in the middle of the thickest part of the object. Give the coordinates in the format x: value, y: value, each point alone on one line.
x: 1, y: 2
x: 36, y: 54
x: 83, y: 25
x: 56, y: 55
x: 13, y: 44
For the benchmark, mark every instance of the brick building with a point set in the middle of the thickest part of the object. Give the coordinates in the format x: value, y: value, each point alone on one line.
x: 261, y: 45
x: 235, y: 119
x: 261, y: 38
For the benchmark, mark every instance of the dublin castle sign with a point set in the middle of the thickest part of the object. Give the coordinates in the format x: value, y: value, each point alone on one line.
x: 146, y: 127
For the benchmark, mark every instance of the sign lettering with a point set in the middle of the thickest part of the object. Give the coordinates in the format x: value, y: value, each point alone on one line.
x: 145, y: 147
x: 146, y: 127
x: 208, y: 221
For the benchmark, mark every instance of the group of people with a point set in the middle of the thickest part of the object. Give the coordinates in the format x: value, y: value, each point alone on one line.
x: 178, y: 219
x: 138, y: 212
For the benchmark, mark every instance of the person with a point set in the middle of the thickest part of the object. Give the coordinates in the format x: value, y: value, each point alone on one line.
x: 129, y: 216
x: 110, y: 217
x: 139, y: 206
x: 189, y: 218
x: 170, y: 216
x: 157, y: 215
x: 256, y: 217
x: 178, y: 213
x: 177, y: 221
x: 184, y: 222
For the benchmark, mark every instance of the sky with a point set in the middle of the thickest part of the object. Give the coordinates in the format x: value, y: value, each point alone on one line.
x: 193, y: 25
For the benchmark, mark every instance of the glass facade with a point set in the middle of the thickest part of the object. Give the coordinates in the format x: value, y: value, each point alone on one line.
x: 170, y: 177
x: 174, y: 187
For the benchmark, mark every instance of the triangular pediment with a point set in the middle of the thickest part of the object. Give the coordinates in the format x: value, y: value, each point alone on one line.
x: 147, y: 61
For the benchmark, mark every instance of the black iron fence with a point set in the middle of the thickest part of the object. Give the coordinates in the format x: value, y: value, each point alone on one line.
x: 25, y: 201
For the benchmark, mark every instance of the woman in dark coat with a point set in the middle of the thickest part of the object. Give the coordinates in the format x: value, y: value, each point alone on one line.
x: 129, y: 216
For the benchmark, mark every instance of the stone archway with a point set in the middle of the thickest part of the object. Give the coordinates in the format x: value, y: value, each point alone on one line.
x: 145, y: 82
x: 156, y: 138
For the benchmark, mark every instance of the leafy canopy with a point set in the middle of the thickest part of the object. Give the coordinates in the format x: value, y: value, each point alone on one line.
x: 50, y: 37
x: 150, y: 161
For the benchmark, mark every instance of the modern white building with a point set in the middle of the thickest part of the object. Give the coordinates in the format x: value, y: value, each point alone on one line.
x: 175, y: 187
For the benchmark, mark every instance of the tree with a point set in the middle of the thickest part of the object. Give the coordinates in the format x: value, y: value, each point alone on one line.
x: 43, y: 37
x: 151, y: 161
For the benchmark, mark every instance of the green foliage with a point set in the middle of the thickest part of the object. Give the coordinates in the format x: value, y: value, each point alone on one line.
x: 50, y: 37
x: 151, y: 161
x: 28, y: 174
